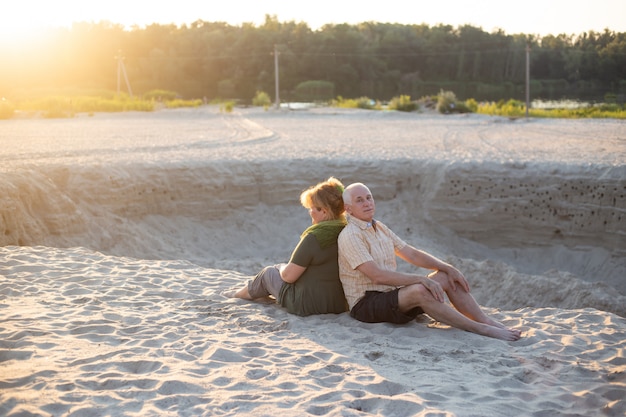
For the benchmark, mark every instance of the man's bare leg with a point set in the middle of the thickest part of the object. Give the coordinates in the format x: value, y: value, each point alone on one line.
x: 418, y: 296
x: 465, y: 302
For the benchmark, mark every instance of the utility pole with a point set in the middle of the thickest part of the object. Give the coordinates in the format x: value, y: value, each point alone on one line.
x: 122, y: 69
x: 527, y: 77
x: 276, y: 79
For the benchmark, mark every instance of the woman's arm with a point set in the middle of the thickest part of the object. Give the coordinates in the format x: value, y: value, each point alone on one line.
x: 291, y: 272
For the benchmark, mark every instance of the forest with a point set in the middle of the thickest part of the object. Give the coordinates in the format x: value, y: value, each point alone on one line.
x: 215, y: 60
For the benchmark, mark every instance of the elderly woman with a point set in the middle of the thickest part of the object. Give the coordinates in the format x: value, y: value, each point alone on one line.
x: 309, y: 283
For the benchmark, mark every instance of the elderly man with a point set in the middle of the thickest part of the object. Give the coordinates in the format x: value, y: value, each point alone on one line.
x: 376, y: 292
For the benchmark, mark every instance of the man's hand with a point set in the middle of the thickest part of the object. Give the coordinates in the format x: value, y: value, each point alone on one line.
x: 425, y: 260
x: 454, y: 277
x: 434, y: 287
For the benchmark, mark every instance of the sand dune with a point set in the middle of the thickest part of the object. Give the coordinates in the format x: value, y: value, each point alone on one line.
x: 123, y: 235
x: 88, y: 334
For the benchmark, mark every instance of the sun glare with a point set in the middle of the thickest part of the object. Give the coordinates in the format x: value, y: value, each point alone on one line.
x: 22, y: 26
x: 29, y: 18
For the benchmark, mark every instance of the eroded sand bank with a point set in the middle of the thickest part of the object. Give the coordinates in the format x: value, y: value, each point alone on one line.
x: 540, y: 195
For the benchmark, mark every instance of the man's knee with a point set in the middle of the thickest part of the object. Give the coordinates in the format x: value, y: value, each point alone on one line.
x: 442, y: 278
x: 414, y: 295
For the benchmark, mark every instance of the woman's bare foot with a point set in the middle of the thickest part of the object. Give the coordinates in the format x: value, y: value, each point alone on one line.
x: 243, y: 293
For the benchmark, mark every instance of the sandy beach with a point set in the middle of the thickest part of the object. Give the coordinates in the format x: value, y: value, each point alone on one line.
x: 123, y: 235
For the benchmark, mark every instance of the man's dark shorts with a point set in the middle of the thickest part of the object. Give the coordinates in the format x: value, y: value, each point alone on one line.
x: 382, y: 307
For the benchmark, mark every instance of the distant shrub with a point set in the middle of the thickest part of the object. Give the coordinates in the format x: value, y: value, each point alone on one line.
x: 367, y: 103
x: 160, y: 95
x: 174, y: 104
x: 609, y: 107
x: 61, y: 107
x: 50, y: 107
x: 447, y: 103
x: 97, y: 104
x: 134, y: 104
x: 462, y: 107
x: 262, y: 99
x: 227, y: 106
x: 515, y: 108
x: 346, y: 103
x: 403, y: 103
x: 594, y: 112
x: 428, y: 102
x: 356, y: 103
x: 472, y: 105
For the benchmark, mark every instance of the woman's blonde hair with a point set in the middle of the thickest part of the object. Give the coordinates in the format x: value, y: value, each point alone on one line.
x: 326, y: 195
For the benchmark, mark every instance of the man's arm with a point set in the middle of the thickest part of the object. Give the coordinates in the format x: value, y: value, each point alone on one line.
x: 425, y: 260
x: 381, y: 276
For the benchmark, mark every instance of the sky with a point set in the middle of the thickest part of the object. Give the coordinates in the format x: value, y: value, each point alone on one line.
x: 540, y: 17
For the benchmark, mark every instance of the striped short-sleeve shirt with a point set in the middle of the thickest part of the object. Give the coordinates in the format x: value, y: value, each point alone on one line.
x: 360, y: 242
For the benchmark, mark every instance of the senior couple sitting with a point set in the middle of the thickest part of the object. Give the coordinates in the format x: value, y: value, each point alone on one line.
x: 346, y: 260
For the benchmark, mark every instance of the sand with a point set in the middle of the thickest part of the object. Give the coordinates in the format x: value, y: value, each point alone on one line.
x: 123, y: 235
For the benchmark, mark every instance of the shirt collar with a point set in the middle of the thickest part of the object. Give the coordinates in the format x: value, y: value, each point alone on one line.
x: 362, y: 224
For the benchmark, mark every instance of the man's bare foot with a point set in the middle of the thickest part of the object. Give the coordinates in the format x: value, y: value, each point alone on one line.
x: 494, y: 323
x: 510, y: 335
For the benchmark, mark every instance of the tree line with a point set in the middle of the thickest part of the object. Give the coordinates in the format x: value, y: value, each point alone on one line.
x: 376, y: 60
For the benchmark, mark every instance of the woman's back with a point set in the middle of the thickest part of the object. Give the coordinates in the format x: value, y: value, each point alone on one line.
x: 318, y: 290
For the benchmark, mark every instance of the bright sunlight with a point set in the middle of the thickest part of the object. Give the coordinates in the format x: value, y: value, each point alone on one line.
x: 531, y: 17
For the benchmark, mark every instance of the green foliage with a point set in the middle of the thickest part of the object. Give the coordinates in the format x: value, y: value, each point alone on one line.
x: 49, y: 107
x: 472, y: 105
x: 428, y: 102
x: 174, y: 104
x: 262, y: 99
x: 358, y: 103
x: 315, y: 90
x: 377, y: 60
x: 61, y: 107
x: 403, y: 103
x: 461, y: 107
x: 7, y: 109
x: 510, y: 108
x: 474, y: 89
x: 602, y: 111
x: 227, y: 106
x: 516, y: 109
x: 447, y: 103
x: 160, y: 95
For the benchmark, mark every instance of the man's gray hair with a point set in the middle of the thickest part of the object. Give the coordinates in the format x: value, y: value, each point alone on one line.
x: 347, y: 196
x: 347, y: 192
